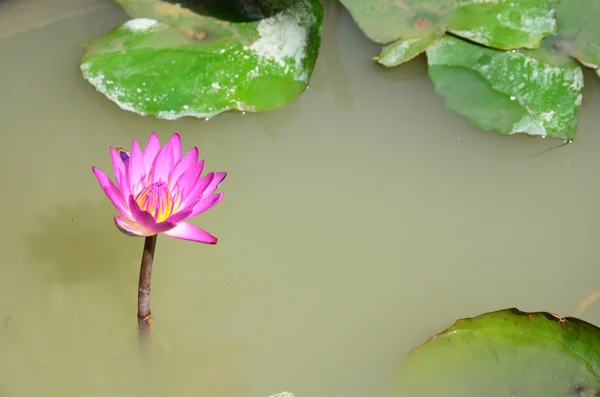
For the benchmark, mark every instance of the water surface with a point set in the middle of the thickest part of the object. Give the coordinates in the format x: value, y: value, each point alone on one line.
x: 357, y: 221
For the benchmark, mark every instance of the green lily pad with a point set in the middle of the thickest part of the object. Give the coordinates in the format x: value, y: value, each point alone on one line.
x: 505, y: 353
x: 385, y: 21
x: 578, y: 30
x: 171, y: 62
x: 414, y: 23
x: 505, y: 25
x: 528, y: 91
x: 403, y: 50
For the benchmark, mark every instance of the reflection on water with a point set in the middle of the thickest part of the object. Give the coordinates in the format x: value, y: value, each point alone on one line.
x: 357, y: 221
x: 17, y: 16
x: 77, y: 234
x: 331, y: 71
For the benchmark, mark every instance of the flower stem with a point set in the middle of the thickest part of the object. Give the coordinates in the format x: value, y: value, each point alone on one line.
x: 145, y: 278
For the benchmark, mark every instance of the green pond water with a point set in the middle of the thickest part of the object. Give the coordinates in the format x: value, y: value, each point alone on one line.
x: 357, y: 221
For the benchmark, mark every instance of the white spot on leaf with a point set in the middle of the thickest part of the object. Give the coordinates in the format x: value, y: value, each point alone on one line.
x: 140, y: 24
x: 283, y: 41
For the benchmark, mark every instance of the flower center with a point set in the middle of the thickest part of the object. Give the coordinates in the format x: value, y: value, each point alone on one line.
x: 157, y: 200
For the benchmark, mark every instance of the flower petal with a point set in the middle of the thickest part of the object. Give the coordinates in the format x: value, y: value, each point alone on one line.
x: 184, y: 164
x: 118, y: 165
x: 164, y: 226
x: 131, y: 228
x: 124, y: 186
x: 187, y: 231
x: 144, y: 218
x: 214, y: 184
x: 162, y: 166
x: 111, y: 191
x: 181, y: 215
x: 176, y: 145
x: 136, y: 167
x: 147, y: 221
x: 191, y: 197
x: 206, y: 204
x: 190, y: 179
x: 152, y: 149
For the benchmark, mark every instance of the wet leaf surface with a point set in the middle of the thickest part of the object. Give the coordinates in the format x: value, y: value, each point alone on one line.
x: 505, y: 24
x: 578, y: 30
x: 403, y: 50
x: 497, y: 24
x: 537, y: 92
x: 170, y: 62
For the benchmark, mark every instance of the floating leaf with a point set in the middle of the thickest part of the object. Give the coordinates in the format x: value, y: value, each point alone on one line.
x: 505, y: 25
x: 172, y: 62
x: 527, y: 91
x: 505, y: 353
x: 413, y: 24
x: 384, y: 21
x: 578, y: 30
x: 403, y: 50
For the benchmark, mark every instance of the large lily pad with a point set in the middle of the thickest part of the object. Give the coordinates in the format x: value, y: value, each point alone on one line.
x: 171, y: 62
x: 578, y: 30
x: 505, y: 25
x: 409, y: 26
x: 505, y: 353
x: 527, y: 91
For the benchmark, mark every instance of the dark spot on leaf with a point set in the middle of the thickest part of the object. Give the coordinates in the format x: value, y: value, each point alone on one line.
x: 197, y: 35
x: 558, y: 44
x: 577, y: 390
x: 484, y: 60
x: 422, y: 23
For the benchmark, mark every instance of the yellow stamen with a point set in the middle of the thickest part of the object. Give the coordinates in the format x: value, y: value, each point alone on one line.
x: 157, y: 200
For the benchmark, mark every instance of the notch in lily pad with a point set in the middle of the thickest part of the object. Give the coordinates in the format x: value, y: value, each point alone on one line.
x: 170, y: 62
x: 409, y: 27
x: 505, y: 353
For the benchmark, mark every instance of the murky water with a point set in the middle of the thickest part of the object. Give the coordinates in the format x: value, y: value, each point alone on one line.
x: 357, y: 221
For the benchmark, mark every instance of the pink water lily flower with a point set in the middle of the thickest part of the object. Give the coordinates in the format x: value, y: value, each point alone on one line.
x: 157, y: 190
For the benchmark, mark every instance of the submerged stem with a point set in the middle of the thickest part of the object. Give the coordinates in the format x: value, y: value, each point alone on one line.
x: 145, y: 280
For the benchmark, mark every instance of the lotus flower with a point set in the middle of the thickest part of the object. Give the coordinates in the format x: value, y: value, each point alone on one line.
x: 157, y: 190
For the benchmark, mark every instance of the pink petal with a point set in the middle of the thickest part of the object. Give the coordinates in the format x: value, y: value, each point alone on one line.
x: 163, y: 227
x: 111, y: 191
x: 176, y: 145
x: 147, y: 221
x: 118, y: 166
x: 144, y: 218
x: 214, y: 184
x: 152, y: 149
x: 124, y: 185
x: 185, y: 163
x: 187, y: 231
x: 181, y: 215
x: 163, y: 165
x: 136, y: 166
x: 190, y: 179
x: 131, y: 228
x: 191, y: 197
x: 206, y: 204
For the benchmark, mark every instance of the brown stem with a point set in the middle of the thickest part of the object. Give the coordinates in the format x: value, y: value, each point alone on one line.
x: 145, y: 279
